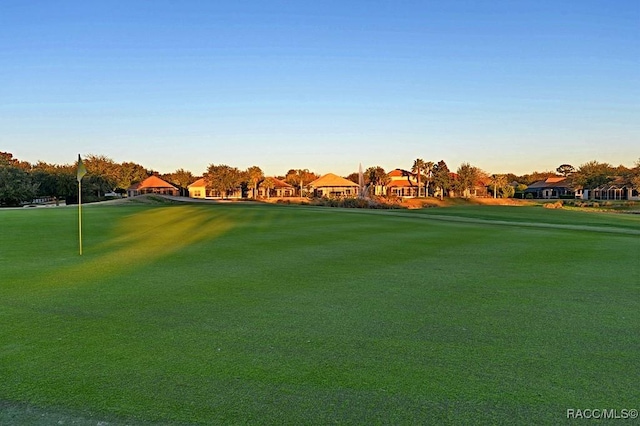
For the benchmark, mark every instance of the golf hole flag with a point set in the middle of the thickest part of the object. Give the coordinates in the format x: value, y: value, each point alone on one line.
x: 82, y: 170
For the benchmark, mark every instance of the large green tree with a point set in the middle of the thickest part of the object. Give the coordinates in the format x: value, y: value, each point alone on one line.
x: 634, y: 177
x: 223, y: 178
x: 130, y: 173
x: 300, y: 178
x: 468, y: 176
x: 182, y: 178
x: 56, y: 180
x: 592, y: 174
x: 16, y: 186
x: 104, y: 173
x: 442, y: 177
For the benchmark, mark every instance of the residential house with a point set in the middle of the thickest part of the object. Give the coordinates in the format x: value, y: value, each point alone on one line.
x: 198, y: 189
x: 152, y: 185
x: 402, y: 183
x: 616, y: 190
x: 331, y: 185
x: 480, y: 189
x: 552, y: 187
x: 281, y: 189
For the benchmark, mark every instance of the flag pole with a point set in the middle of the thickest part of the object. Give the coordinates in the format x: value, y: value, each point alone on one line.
x: 82, y: 170
x: 80, y: 214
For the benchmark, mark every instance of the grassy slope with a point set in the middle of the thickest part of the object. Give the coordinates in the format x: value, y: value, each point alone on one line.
x: 258, y: 314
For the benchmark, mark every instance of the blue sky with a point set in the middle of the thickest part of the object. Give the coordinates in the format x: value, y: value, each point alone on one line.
x: 509, y: 86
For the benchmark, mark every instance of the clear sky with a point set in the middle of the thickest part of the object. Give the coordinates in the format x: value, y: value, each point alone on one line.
x: 507, y: 85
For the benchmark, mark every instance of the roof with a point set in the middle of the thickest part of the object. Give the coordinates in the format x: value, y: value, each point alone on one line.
x: 332, y: 180
x: 555, y: 179
x: 551, y: 182
x: 401, y: 183
x: 399, y: 173
x: 200, y: 183
x: 280, y: 183
x: 152, y: 182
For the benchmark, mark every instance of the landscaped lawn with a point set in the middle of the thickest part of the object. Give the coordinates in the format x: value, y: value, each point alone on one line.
x: 252, y: 314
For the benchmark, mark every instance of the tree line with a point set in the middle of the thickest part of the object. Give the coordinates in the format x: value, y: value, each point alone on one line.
x: 21, y: 181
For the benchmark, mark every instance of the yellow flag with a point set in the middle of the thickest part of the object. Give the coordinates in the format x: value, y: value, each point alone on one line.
x: 82, y: 170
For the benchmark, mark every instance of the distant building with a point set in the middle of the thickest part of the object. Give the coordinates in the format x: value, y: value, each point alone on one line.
x: 152, y: 185
x: 331, y: 185
x: 402, y: 183
x: 281, y: 189
x: 552, y: 187
x: 198, y: 189
x: 616, y: 190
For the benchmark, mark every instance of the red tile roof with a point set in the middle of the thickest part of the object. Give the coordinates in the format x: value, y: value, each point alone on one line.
x: 280, y: 183
x: 555, y: 179
x: 398, y: 173
x: 153, y: 182
x: 401, y: 183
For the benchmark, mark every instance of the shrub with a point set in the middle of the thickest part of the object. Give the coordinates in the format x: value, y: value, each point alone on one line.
x: 354, y: 203
x: 556, y: 205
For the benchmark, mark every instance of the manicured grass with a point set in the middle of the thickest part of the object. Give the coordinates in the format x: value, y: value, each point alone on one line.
x: 256, y: 314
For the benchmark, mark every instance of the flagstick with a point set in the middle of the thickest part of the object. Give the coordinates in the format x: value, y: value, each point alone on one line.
x: 80, y: 214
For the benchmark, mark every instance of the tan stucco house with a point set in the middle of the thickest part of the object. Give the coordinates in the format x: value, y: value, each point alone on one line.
x: 331, y: 185
x: 198, y: 189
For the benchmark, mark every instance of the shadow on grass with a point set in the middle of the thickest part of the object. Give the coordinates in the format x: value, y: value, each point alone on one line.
x: 144, y: 238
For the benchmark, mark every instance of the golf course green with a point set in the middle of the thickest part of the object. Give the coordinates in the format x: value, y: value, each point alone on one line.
x: 244, y: 313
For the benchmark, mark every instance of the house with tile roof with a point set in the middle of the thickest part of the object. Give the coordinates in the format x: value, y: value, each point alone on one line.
x: 331, y: 185
x: 152, y: 185
x: 552, y: 187
x: 281, y: 189
x: 198, y: 189
x: 402, y: 183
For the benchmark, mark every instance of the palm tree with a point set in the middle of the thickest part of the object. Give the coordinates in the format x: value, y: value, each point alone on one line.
x: 498, y: 182
x: 418, y: 167
x: 300, y: 177
x: 428, y: 172
x: 268, y: 184
x: 254, y: 176
x: 376, y: 177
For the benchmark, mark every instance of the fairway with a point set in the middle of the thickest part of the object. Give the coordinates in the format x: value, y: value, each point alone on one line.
x: 268, y: 314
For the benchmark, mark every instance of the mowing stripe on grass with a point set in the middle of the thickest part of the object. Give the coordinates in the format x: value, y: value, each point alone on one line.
x: 252, y: 314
